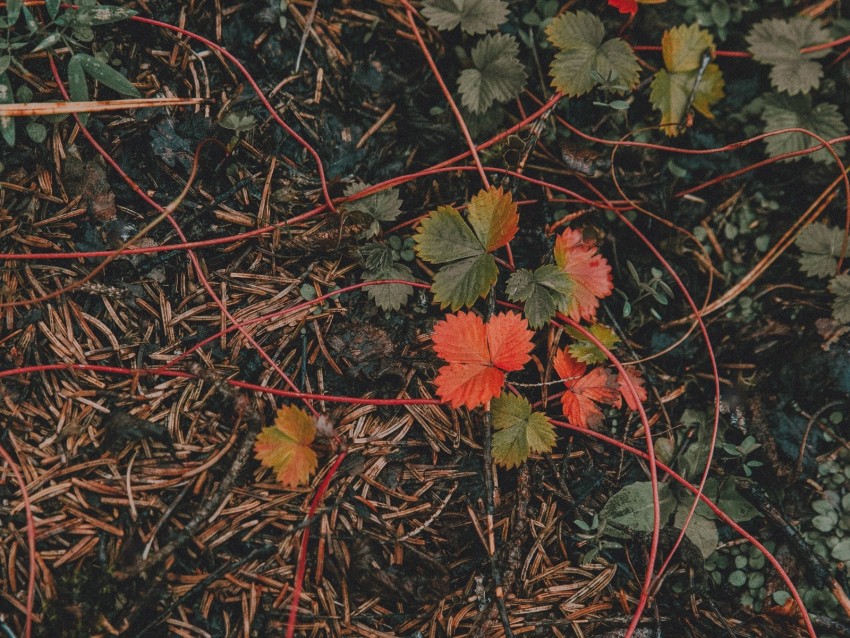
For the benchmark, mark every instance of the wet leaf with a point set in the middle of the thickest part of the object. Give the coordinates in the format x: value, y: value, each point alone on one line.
x: 785, y: 111
x: 821, y: 247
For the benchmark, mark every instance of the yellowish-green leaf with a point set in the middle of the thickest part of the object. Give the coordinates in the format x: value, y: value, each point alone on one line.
x: 778, y: 43
x: 682, y: 47
x: 671, y: 93
x: 493, y: 217
x: 584, y: 350
x: 473, y: 16
x: 443, y: 236
x: 584, y: 57
x: 463, y: 282
x: 519, y: 431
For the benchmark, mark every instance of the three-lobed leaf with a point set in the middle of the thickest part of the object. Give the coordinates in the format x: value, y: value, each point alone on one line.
x: 821, y: 248
x: 497, y: 75
x: 519, y: 431
x: 478, y: 355
x: 840, y: 287
x: 778, y: 43
x: 585, y: 390
x: 588, y: 271
x: 389, y: 296
x: 286, y: 446
x: 473, y: 16
x: 781, y: 111
x: 584, y: 57
x: 584, y: 350
x: 383, y: 206
x: 544, y: 291
x: 680, y: 84
x: 444, y: 238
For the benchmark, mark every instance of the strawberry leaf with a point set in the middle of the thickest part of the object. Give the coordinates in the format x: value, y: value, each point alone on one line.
x: 784, y: 111
x: 389, y: 296
x: 383, y: 206
x: 519, y: 431
x: 285, y: 446
x: 443, y: 237
x: 478, y: 355
x: 588, y: 271
x: 675, y: 88
x: 821, y: 247
x: 584, y: 350
x: 840, y: 287
x: 545, y: 291
x: 498, y: 75
x: 584, y: 390
x: 778, y: 43
x: 474, y: 16
x: 584, y: 57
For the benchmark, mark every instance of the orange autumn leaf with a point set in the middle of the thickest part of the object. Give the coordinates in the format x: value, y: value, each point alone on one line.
x: 585, y: 390
x: 479, y: 355
x: 285, y: 446
x: 587, y: 269
x: 637, y: 378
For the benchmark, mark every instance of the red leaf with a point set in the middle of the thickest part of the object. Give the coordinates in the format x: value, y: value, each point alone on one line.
x: 588, y: 270
x: 624, y: 6
x: 636, y: 377
x: 285, y: 446
x: 478, y: 355
x: 584, y: 390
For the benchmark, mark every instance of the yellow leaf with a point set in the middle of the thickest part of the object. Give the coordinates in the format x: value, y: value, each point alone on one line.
x: 683, y: 46
x: 285, y: 446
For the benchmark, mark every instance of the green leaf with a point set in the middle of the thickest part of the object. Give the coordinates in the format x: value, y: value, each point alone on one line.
x: 53, y: 8
x: 784, y: 111
x: 5, y: 63
x: 498, y: 75
x: 821, y: 247
x: 7, y: 124
x: 842, y: 550
x: 778, y: 43
x: 37, y: 131
x: 443, y: 237
x: 583, y: 55
x: 585, y: 351
x: 77, y: 85
x: 105, y: 74
x: 732, y: 502
x: 463, y: 282
x: 671, y: 93
x: 389, y: 296
x: 13, y: 11
x: 473, y: 16
x: 840, y: 287
x: 97, y: 15
x: 682, y: 47
x: 48, y: 42
x: 631, y: 508
x: 544, y: 291
x: 519, y: 431
x: 381, y: 206
x: 702, y: 531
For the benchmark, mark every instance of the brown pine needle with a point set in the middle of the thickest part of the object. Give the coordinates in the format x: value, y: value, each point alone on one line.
x: 62, y: 108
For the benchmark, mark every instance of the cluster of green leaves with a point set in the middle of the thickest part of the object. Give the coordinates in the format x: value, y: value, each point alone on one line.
x: 66, y: 27
x: 795, y: 75
x: 586, y: 60
x: 495, y: 73
x: 820, y: 246
x: 743, y: 568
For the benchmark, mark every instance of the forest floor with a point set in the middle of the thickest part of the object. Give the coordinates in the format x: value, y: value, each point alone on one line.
x: 137, y: 371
